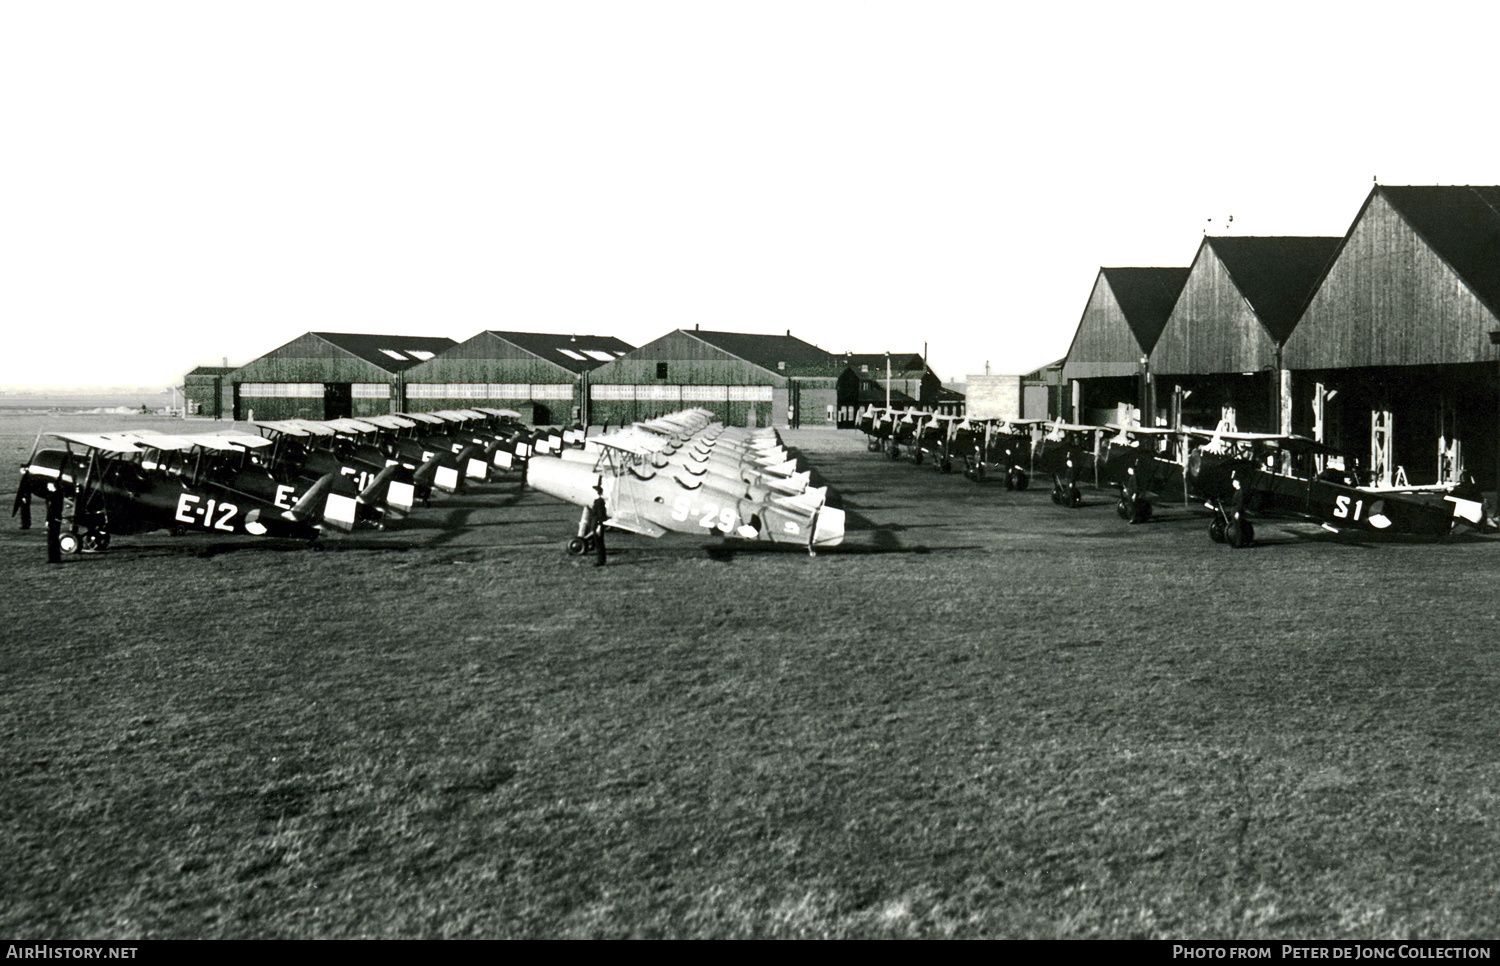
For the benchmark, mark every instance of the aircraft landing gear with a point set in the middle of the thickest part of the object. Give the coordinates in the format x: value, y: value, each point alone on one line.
x: 1133, y: 509
x: 1016, y: 480
x: 95, y: 541
x: 69, y: 543
x: 1216, y: 528
x: 946, y: 466
x: 894, y: 453
x: 1239, y: 533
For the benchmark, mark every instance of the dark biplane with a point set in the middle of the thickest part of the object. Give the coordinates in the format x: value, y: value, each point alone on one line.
x: 995, y: 446
x: 1245, y: 474
x: 1066, y: 452
x: 1141, y: 461
x: 106, y: 484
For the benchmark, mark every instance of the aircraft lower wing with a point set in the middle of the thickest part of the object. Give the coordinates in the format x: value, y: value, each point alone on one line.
x: 635, y: 525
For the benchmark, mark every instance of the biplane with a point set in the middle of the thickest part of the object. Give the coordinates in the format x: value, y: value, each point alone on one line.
x: 1141, y: 461
x: 995, y: 446
x: 1066, y: 452
x: 1274, y: 475
x: 100, y: 485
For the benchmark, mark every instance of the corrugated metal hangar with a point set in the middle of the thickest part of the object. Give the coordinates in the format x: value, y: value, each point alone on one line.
x: 1383, y: 342
x: 331, y: 375
x: 543, y: 376
x: 745, y: 379
x: 207, y: 392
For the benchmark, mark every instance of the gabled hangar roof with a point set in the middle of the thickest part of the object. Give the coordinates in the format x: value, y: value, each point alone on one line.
x: 1462, y: 224
x: 578, y: 353
x: 1146, y: 297
x: 393, y: 353
x: 765, y: 350
x: 1276, y: 274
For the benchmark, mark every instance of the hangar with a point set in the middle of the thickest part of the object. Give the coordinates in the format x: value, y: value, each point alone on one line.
x: 1220, y: 351
x: 208, y: 393
x: 543, y: 376
x: 745, y: 379
x: 330, y: 375
x: 1398, y: 345
x: 1107, y: 362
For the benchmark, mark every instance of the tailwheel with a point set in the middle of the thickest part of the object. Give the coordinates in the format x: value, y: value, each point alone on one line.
x: 577, y: 547
x: 69, y: 543
x: 1239, y: 533
x: 95, y: 541
x: 1216, y: 528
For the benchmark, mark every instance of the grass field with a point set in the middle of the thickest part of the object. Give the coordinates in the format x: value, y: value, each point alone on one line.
x: 985, y: 716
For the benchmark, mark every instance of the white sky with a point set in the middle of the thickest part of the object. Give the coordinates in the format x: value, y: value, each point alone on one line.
x: 185, y: 181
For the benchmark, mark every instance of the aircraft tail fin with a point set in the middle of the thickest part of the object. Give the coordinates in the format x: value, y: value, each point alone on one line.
x: 312, y: 501
x: 371, y: 493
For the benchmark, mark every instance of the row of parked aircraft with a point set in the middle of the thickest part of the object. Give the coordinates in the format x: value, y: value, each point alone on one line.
x: 1238, y: 476
x: 293, y: 481
x: 687, y: 473
x: 680, y: 473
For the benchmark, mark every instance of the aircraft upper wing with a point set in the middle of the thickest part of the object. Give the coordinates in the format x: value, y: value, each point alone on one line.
x: 294, y: 427
x: 101, y: 441
x: 423, y: 417
x: 388, y: 421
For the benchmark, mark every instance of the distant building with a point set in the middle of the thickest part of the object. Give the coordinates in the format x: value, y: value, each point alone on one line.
x: 208, y: 392
x: 744, y: 378
x: 329, y: 375
x: 544, y: 376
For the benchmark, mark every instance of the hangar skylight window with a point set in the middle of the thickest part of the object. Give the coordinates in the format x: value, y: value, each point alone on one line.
x: 572, y: 355
x: 395, y: 355
x: 422, y: 354
x: 596, y: 354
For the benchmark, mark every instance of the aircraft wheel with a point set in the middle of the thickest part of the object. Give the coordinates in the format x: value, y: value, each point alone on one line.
x: 873, y: 446
x: 1021, y: 478
x: 1216, y: 529
x: 894, y: 453
x: 917, y: 458
x: 1142, y: 510
x: 947, y: 466
x: 1239, y: 534
x: 1057, y: 494
x: 69, y: 543
x: 1074, y: 498
x: 95, y: 541
x: 978, y: 472
x: 1124, y: 510
x: 577, y: 547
